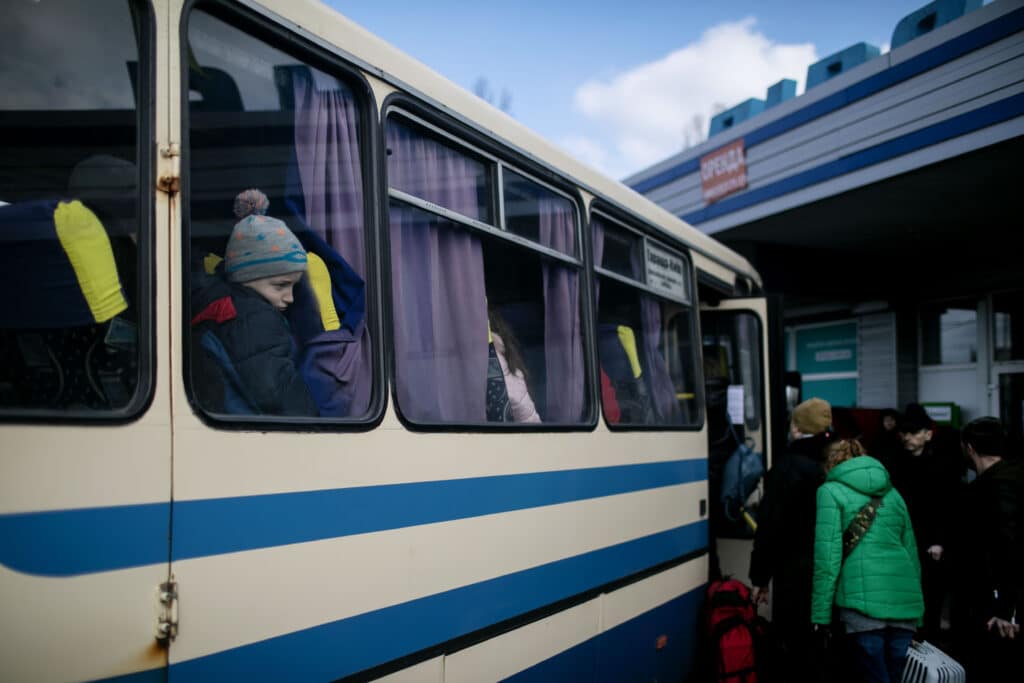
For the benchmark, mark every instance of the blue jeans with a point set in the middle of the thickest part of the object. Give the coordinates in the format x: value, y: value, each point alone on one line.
x: 881, y: 654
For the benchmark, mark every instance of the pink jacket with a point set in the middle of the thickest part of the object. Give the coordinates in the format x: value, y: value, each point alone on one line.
x: 519, y: 399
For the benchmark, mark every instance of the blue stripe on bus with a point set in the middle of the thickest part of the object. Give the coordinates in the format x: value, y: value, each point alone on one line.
x: 351, y: 645
x: 148, y: 676
x: 209, y: 527
x: 68, y: 542
x: 1004, y: 26
x: 629, y: 651
x: 953, y: 127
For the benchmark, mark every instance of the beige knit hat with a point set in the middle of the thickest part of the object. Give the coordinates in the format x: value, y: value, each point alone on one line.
x: 813, y: 416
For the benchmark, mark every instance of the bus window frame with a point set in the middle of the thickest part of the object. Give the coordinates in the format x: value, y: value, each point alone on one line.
x: 274, y: 32
x: 143, y: 21
x: 661, y: 239
x: 496, y: 151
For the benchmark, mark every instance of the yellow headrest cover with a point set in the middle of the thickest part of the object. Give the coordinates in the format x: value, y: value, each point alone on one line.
x: 87, y: 246
x: 320, y: 282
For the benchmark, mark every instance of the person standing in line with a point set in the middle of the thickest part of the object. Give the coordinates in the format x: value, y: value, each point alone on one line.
x: 989, y: 561
x: 887, y: 444
x: 929, y: 479
x: 866, y: 563
x: 784, y: 541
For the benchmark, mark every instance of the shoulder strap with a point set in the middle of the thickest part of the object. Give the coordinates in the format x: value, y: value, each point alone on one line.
x: 859, y: 525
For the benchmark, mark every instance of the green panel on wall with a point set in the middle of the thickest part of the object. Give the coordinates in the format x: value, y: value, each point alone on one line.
x: 841, y: 393
x: 828, y: 348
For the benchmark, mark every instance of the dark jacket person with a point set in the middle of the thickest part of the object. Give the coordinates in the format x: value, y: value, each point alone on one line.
x: 989, y: 557
x: 783, y: 551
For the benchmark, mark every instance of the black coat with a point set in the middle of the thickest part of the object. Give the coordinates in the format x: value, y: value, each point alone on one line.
x: 784, y: 543
x: 989, y: 557
x: 931, y: 485
x: 259, y: 350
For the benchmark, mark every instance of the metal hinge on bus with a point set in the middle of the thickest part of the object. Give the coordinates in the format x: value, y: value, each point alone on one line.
x: 170, y: 172
x: 167, y: 622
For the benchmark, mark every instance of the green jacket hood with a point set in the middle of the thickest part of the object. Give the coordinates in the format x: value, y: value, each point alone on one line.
x: 863, y: 474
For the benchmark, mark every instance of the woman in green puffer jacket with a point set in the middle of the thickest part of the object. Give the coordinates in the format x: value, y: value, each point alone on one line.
x: 877, y: 587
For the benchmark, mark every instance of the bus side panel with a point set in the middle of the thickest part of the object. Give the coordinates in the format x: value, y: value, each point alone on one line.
x: 355, y: 550
x: 644, y: 631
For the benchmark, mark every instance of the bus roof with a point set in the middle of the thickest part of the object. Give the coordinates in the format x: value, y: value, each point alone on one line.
x: 325, y: 26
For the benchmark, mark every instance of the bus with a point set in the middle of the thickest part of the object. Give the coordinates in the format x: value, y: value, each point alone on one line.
x: 524, y: 376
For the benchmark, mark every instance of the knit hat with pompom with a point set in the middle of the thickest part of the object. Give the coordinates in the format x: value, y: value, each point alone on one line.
x: 260, y: 246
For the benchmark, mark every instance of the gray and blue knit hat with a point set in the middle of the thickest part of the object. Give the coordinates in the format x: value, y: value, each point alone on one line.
x: 260, y: 246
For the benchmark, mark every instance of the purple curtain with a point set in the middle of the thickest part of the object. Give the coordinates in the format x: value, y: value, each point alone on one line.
x: 327, y: 150
x: 659, y: 381
x: 437, y: 275
x: 663, y: 392
x: 563, y: 344
x: 327, y: 154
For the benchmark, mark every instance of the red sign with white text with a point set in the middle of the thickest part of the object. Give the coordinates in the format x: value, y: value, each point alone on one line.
x: 723, y: 171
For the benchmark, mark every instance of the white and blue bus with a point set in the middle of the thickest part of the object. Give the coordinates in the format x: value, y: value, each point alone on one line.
x: 426, y: 522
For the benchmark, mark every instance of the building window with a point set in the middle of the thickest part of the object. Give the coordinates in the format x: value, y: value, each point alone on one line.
x: 949, y: 333
x: 1008, y: 326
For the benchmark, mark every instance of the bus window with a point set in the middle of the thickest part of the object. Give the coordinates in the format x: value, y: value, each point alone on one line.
x: 276, y: 166
x: 487, y: 315
x: 73, y: 241
x: 645, y: 330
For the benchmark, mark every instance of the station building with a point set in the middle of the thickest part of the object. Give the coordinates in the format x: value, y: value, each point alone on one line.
x: 884, y: 207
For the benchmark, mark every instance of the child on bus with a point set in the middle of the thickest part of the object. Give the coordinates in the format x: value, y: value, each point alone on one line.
x: 244, y: 353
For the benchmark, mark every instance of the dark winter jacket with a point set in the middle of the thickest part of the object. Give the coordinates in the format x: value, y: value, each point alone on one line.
x: 784, y: 542
x: 243, y: 354
x: 930, y: 485
x: 990, y: 555
x: 881, y: 577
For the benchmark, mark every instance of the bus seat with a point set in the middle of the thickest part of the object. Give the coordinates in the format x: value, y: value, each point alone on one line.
x: 498, y: 407
x: 620, y: 361
x: 716, y: 362
x: 334, y: 358
x: 216, y: 90
x: 62, y: 340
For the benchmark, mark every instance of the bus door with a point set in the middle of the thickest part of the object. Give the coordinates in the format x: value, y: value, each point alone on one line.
x: 734, y: 350
x: 85, y: 439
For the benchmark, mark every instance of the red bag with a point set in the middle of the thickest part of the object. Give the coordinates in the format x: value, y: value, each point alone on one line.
x: 734, y: 628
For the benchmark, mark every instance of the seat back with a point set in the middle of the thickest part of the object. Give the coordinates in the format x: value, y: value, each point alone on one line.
x: 62, y: 341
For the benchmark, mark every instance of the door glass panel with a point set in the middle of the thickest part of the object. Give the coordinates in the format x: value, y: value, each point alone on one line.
x: 734, y: 399
x: 73, y: 241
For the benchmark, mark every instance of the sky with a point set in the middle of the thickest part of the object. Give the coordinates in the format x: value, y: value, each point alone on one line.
x: 624, y: 85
